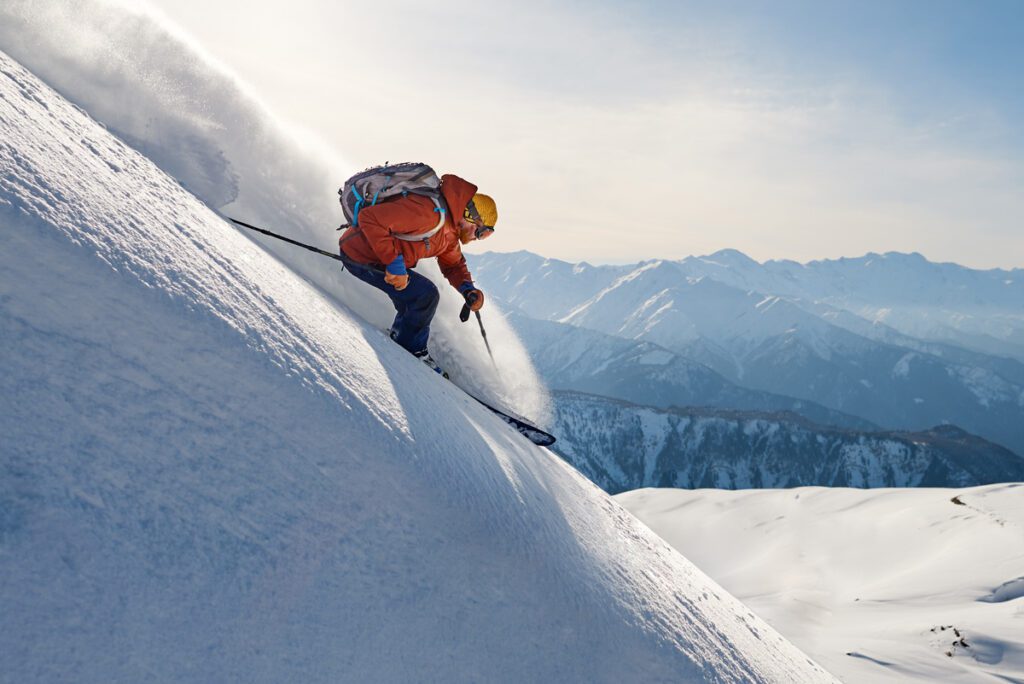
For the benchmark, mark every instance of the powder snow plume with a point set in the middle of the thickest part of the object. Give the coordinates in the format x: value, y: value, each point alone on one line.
x: 131, y: 69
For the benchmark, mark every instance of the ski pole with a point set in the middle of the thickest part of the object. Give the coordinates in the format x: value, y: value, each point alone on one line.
x: 311, y: 248
x: 464, y: 316
x: 487, y: 344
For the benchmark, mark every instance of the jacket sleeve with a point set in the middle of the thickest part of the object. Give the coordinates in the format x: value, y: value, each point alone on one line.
x: 453, y: 265
x: 404, y: 215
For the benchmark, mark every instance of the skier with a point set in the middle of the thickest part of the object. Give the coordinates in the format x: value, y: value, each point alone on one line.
x: 374, y: 254
x: 413, y: 313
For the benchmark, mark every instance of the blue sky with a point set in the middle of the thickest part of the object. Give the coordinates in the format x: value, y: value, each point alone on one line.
x: 931, y: 55
x: 621, y: 131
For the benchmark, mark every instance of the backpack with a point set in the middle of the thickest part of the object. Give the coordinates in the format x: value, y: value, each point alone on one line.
x: 382, y: 183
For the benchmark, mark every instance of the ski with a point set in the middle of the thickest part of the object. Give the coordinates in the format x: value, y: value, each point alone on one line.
x: 531, y: 432
x: 528, y: 430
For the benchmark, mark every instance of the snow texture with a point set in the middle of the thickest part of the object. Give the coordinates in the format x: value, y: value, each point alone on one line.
x: 884, y: 585
x: 213, y: 471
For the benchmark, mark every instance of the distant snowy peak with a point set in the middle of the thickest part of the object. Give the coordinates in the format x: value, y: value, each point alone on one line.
x: 733, y: 258
x: 661, y: 302
x: 542, y: 288
x: 906, y: 279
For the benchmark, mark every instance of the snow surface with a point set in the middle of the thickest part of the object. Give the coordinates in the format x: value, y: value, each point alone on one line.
x: 214, y: 471
x: 877, y: 585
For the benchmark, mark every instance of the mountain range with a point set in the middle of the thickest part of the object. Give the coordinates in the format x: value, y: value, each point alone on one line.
x: 941, y: 302
x: 836, y: 336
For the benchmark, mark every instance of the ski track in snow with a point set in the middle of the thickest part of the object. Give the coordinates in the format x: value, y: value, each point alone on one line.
x: 212, y: 472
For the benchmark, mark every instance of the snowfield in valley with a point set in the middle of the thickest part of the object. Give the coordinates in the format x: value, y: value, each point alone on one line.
x: 881, y: 585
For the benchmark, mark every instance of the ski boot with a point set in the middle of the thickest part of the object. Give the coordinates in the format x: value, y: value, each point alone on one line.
x: 425, y: 357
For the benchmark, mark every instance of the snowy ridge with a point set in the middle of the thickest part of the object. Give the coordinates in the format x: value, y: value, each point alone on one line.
x: 214, y: 472
x: 623, y: 446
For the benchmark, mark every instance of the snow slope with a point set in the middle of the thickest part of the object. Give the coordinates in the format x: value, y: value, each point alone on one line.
x: 211, y: 471
x: 920, y: 585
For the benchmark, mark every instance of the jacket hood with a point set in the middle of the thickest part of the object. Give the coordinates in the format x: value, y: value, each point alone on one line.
x: 457, y: 193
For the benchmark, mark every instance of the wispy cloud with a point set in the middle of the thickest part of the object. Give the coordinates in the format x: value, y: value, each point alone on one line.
x: 609, y: 137
x: 614, y: 132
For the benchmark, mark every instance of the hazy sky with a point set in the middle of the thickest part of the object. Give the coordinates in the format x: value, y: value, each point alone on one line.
x: 614, y: 132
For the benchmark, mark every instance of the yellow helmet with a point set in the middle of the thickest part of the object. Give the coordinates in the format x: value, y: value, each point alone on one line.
x: 484, y: 208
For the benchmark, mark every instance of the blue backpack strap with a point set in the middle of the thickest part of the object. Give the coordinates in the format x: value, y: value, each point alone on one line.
x: 359, y: 204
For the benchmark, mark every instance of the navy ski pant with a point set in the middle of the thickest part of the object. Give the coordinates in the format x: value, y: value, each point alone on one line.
x: 414, y: 306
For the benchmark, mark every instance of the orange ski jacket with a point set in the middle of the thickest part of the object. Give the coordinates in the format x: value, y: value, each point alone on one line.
x: 372, y: 242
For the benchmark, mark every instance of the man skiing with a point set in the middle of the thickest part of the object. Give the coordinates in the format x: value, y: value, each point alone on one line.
x: 387, y: 244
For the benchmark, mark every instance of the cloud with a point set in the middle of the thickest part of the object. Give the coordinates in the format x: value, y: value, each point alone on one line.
x: 619, y: 133
x: 605, y: 139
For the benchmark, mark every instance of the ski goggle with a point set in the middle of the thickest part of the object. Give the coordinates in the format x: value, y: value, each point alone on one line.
x: 482, y: 231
